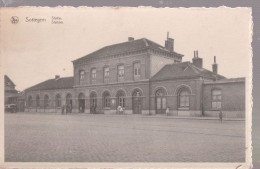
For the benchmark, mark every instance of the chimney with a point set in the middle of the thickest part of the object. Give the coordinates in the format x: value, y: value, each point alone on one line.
x: 198, y: 62
x: 57, y: 77
x: 130, y: 39
x: 215, y: 66
x: 169, y: 43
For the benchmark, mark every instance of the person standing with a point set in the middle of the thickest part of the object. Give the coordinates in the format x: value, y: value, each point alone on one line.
x: 121, y: 110
x: 167, y: 111
x: 70, y: 108
x: 118, y: 109
x: 67, y: 109
x: 220, y: 116
x: 62, y: 109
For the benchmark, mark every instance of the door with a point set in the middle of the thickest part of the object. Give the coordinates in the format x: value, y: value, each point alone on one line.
x: 160, y: 101
x: 137, y: 102
x: 160, y: 105
x: 93, y: 103
x: 82, y: 105
x: 81, y: 99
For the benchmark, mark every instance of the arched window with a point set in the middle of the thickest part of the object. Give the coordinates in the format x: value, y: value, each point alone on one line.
x: 30, y: 101
x: 46, y: 101
x: 106, y: 99
x: 81, y: 96
x: 58, y: 100
x: 38, y: 101
x: 216, y: 98
x: 120, y: 98
x: 184, y: 98
x: 68, y: 99
x: 160, y: 98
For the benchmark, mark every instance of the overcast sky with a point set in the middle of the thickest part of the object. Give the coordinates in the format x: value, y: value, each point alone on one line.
x: 34, y: 52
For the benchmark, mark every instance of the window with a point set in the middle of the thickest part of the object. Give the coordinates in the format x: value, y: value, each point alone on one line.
x: 137, y: 71
x: 121, y: 73
x: 160, y: 101
x: 38, y: 101
x: 82, y: 75
x: 58, y: 100
x: 121, y: 99
x: 93, y: 75
x: 106, y: 100
x: 216, y: 99
x: 46, y: 101
x: 106, y: 75
x: 30, y: 101
x: 184, y: 99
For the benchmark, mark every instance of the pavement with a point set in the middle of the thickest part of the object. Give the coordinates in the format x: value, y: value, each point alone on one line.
x: 149, y: 116
x: 39, y: 137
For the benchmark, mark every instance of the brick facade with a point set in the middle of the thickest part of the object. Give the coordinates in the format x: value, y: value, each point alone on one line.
x: 163, y: 82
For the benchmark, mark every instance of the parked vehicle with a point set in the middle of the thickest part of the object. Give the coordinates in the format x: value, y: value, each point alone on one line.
x: 11, y: 108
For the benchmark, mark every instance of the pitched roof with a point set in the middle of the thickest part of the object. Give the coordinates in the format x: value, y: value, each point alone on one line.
x: 8, y: 80
x: 125, y: 47
x: 60, y: 83
x: 183, y: 70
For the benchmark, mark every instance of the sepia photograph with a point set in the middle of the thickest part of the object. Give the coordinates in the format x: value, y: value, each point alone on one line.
x: 127, y: 85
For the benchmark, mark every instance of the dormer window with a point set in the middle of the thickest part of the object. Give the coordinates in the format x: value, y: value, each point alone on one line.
x: 93, y: 75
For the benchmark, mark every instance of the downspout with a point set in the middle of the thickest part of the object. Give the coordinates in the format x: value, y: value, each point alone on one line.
x: 202, y: 98
x: 149, y: 83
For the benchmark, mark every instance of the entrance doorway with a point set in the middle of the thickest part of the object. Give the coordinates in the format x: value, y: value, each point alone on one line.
x: 69, y: 103
x: 81, y: 103
x: 160, y: 101
x: 137, y: 102
x: 93, y: 102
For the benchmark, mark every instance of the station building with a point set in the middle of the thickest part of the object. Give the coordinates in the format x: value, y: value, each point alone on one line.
x: 144, y: 78
x: 11, y: 93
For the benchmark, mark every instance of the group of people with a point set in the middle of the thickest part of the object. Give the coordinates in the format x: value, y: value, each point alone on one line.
x: 120, y: 110
x: 66, y: 109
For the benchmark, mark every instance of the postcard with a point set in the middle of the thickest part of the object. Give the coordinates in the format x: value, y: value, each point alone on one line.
x: 126, y: 87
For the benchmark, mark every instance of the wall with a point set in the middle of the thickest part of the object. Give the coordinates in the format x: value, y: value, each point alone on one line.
x: 172, y: 87
x: 112, y: 63
x: 52, y: 94
x: 233, y: 98
x: 158, y: 62
x: 127, y: 88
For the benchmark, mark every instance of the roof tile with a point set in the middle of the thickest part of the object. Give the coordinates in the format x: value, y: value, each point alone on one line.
x: 183, y: 70
x: 124, y: 47
x: 61, y: 83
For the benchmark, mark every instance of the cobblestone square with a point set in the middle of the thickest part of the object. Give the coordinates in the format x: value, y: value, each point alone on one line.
x: 39, y: 137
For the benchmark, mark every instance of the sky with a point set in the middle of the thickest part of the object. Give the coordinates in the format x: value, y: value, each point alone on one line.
x: 33, y: 52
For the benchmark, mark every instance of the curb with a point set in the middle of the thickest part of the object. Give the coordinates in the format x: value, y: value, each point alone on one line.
x: 138, y: 116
